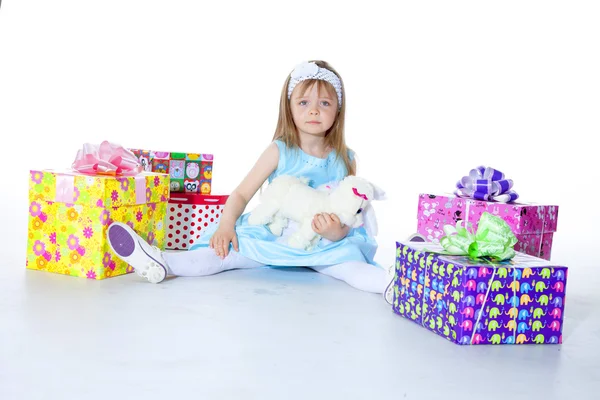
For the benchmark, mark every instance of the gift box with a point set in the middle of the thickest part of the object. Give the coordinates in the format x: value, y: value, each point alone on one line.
x: 69, y: 213
x: 188, y: 172
x: 533, y: 225
x: 189, y: 216
x: 517, y: 301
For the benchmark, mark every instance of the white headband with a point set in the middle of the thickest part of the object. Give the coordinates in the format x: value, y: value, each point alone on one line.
x: 310, y: 70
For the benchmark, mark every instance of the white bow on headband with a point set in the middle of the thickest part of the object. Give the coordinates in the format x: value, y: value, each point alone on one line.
x: 310, y: 70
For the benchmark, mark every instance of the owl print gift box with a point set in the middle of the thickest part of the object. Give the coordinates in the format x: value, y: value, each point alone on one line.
x: 188, y: 172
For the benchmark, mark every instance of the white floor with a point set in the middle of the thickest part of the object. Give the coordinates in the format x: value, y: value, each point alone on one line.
x: 264, y: 334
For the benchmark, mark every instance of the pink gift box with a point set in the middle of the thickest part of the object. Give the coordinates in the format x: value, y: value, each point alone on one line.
x: 533, y: 224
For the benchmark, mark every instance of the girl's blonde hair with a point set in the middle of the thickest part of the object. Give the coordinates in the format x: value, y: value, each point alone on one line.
x: 334, y: 138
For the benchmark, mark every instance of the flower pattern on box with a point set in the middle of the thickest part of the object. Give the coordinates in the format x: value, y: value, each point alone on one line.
x: 99, y: 190
x: 69, y: 238
x: 516, y: 302
x: 533, y: 225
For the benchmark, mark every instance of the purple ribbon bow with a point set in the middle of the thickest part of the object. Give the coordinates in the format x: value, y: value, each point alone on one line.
x: 488, y: 184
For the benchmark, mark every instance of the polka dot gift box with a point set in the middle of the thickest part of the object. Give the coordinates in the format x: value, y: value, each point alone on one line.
x: 189, y: 216
x: 69, y: 213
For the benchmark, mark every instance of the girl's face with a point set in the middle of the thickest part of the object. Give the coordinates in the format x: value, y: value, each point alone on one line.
x: 314, y: 111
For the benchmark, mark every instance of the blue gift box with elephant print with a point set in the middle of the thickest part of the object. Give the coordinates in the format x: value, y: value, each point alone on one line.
x: 518, y: 301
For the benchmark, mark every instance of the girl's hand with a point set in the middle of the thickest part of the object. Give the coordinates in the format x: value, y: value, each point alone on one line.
x: 221, y: 239
x: 329, y: 226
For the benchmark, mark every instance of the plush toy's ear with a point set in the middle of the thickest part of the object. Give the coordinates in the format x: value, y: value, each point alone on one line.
x: 378, y: 193
x: 370, y: 220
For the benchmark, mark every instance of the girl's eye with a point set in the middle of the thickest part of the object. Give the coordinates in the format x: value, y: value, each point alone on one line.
x: 303, y: 103
x: 359, y: 211
x: 325, y: 103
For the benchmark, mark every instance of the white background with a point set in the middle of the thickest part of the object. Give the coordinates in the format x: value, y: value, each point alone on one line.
x: 433, y: 90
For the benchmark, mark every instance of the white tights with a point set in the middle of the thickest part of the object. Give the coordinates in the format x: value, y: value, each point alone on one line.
x: 204, y: 261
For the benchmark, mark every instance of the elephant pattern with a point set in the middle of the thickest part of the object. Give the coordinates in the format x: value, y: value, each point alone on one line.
x: 533, y: 225
x: 465, y: 308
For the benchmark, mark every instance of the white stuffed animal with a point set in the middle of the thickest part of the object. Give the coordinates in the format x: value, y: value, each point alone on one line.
x: 290, y: 198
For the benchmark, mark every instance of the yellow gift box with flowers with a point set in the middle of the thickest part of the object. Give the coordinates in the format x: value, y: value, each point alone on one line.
x: 69, y: 213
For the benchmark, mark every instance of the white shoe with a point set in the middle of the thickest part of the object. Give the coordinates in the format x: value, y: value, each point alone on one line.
x: 146, y: 260
x: 415, y: 237
x: 388, y: 293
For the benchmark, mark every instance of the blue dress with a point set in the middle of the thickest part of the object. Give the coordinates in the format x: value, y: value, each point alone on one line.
x: 258, y: 243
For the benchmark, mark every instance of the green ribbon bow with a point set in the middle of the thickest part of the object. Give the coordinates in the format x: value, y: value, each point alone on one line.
x: 493, y: 240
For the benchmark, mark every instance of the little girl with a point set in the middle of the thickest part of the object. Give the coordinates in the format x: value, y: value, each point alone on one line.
x: 309, y: 142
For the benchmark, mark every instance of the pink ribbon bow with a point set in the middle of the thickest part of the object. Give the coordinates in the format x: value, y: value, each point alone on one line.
x: 106, y: 159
